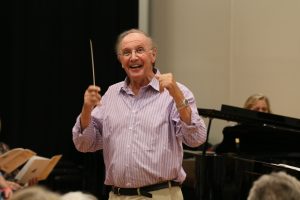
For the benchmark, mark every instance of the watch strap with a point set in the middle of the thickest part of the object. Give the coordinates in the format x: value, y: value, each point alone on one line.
x: 183, y: 104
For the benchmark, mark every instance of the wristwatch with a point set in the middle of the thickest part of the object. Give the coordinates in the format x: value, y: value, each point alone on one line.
x: 183, y: 104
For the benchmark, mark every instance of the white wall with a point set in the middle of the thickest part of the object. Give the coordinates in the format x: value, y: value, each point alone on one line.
x: 226, y: 50
x: 266, y: 52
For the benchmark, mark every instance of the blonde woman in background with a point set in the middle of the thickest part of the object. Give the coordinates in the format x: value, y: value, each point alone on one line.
x: 258, y: 102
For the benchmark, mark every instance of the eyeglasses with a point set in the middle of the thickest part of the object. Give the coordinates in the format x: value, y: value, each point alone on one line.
x: 128, y: 53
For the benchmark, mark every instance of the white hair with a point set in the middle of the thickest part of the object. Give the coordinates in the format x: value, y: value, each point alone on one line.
x: 275, y: 186
x: 78, y: 196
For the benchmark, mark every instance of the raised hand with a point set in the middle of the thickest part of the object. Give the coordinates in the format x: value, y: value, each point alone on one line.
x: 92, y: 98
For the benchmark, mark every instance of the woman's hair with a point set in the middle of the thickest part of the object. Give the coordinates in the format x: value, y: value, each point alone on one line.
x: 250, y: 102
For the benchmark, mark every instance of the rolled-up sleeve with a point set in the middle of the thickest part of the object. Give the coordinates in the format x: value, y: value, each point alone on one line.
x: 193, y: 135
x: 89, y: 139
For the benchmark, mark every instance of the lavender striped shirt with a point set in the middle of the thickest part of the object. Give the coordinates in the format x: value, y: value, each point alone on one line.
x: 141, y: 136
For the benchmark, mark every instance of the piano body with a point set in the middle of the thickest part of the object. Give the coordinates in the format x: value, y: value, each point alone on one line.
x: 260, y: 143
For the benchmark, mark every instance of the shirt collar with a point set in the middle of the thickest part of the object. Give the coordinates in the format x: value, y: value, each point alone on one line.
x: 153, y: 83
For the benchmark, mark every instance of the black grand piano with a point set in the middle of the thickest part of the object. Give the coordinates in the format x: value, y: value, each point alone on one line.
x: 259, y: 143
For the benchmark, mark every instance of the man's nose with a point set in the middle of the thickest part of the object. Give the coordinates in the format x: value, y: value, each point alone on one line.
x: 133, y: 54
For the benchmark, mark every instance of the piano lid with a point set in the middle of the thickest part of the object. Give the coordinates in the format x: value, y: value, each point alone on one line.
x: 242, y: 115
x: 258, y: 144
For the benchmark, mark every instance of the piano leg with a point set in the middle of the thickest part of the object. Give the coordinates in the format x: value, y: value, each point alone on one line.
x: 209, y: 177
x: 221, y: 177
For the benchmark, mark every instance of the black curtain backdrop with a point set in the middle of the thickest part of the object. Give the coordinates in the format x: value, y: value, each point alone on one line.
x: 47, y: 66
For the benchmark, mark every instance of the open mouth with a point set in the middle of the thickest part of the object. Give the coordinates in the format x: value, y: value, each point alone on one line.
x: 135, y: 66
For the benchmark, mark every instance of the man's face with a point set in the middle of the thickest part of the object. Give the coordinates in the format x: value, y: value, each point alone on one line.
x: 137, y: 56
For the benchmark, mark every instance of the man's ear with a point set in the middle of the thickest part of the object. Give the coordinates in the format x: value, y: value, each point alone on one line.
x: 154, y: 53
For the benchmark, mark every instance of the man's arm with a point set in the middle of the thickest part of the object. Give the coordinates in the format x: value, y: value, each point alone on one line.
x: 167, y: 81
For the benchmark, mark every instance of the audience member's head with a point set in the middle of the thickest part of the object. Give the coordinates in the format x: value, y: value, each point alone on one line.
x: 35, y: 193
x: 258, y: 102
x: 78, y: 196
x: 275, y: 186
